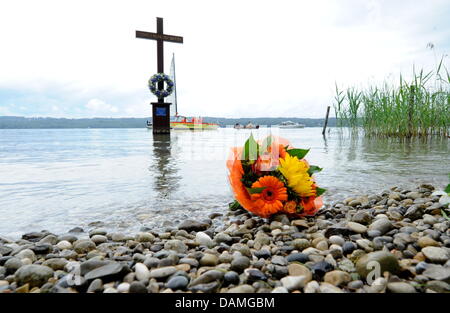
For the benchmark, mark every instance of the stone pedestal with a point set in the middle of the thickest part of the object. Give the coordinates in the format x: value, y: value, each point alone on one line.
x: 161, y: 117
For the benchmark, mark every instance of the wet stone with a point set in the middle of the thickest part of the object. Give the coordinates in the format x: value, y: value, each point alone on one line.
x: 84, y: 246
x: 35, y: 236
x: 209, y: 260
x: 348, y: 247
x: 95, y: 286
x: 26, y: 254
x: 373, y: 233
x: 76, y: 230
x: 293, y: 282
x: 436, y: 272
x: 4, y: 250
x: 337, y: 230
x: 414, y: 212
x: 34, y: 275
x: 362, y: 217
x: 337, y: 278
x: 356, y: 227
x: 68, y: 237
x: 162, y: 272
x: 240, y: 263
x: 43, y: 248
x: 56, y: 263
x: 295, y: 269
x: 190, y: 261
x: 3, y: 259
x: 92, y: 264
x: 208, y: 277
x: 400, y: 287
x: 205, y: 288
x: 337, y: 240
x: 279, y: 271
x: 297, y: 257
x: 438, y: 286
x: 175, y: 245
x: 254, y: 275
x: 383, y: 225
x: 137, y: 287
x: 177, y: 282
x: 242, y: 289
x: 263, y: 253
x: 435, y: 254
x: 300, y: 243
x: 231, y: 277
x: 279, y: 260
x: 387, y: 261
x: 191, y: 225
x: 12, y: 265
x: 106, y: 272
x: 356, y: 284
x: 321, y: 268
x: 421, y: 267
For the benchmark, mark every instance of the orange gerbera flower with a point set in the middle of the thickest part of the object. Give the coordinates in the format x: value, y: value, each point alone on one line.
x: 269, y: 200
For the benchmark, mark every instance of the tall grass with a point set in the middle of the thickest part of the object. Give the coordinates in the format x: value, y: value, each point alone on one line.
x: 419, y: 107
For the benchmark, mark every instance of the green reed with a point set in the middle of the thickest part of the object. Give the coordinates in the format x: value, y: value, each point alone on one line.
x: 419, y: 107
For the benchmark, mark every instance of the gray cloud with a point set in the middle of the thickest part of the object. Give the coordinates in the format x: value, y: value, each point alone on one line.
x: 240, y: 58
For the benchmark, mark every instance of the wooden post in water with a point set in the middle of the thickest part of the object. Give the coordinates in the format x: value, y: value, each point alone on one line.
x: 326, y: 121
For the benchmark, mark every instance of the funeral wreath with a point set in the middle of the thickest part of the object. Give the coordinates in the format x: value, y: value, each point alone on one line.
x: 153, y: 85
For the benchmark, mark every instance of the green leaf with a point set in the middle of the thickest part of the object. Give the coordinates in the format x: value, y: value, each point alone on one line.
x: 299, y: 153
x: 314, y: 169
x: 251, y: 149
x: 445, y: 214
x: 447, y: 189
x: 320, y: 191
x: 234, y: 205
x: 267, y: 142
x: 255, y: 190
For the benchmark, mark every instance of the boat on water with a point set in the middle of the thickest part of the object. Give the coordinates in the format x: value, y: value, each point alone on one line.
x: 179, y: 122
x: 290, y: 124
x: 248, y: 126
x: 194, y: 123
x: 149, y: 125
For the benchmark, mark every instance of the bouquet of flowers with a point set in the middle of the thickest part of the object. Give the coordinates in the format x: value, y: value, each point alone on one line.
x: 271, y: 176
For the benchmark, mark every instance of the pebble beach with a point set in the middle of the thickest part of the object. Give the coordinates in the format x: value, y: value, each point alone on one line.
x: 402, y: 232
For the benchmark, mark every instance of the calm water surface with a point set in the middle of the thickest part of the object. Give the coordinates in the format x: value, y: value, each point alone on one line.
x: 126, y: 178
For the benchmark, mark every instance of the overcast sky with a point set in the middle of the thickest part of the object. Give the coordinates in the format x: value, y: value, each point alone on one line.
x: 239, y: 58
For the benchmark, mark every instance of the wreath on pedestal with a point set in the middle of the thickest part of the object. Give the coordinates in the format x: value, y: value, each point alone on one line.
x: 153, y: 85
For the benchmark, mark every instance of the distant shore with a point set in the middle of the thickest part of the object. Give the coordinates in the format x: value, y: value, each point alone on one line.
x: 402, y: 231
x: 17, y: 122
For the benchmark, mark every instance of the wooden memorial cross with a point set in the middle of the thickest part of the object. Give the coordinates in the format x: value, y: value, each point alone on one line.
x: 161, y: 109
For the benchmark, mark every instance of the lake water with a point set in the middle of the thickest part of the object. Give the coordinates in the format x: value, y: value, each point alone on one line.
x: 125, y: 178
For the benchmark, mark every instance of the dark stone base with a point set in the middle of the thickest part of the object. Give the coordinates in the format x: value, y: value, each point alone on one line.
x: 161, y: 130
x: 161, y: 117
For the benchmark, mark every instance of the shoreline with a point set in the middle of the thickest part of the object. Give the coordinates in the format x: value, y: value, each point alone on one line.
x: 400, y: 231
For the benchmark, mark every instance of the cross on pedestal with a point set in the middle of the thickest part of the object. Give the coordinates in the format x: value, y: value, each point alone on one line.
x: 161, y: 109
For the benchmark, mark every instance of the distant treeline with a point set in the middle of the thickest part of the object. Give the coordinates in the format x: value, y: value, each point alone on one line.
x: 16, y: 122
x: 308, y: 122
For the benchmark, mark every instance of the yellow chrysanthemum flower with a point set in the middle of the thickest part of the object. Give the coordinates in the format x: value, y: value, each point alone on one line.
x: 296, y: 173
